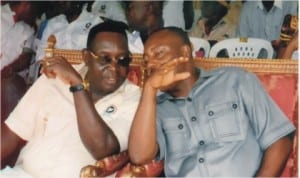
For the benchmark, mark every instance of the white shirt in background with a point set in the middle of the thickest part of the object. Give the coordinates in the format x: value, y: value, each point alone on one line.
x: 15, y: 37
x: 109, y: 9
x: 173, y: 14
x: 68, y: 35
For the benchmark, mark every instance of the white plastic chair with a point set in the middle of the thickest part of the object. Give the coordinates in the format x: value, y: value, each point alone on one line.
x: 200, y: 44
x: 243, y: 48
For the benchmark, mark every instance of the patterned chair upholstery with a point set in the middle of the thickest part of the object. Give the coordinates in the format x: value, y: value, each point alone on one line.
x: 279, y: 77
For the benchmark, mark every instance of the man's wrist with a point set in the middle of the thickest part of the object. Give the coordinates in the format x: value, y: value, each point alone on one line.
x: 78, y: 87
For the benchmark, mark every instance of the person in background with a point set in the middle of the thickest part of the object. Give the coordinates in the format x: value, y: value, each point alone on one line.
x: 188, y: 14
x: 225, y: 117
x: 143, y: 18
x: 173, y: 13
x: 263, y: 19
x: 290, y: 51
x: 70, y: 28
x: 69, y: 119
x: 17, y: 32
x: 112, y: 10
x: 216, y: 23
x: 49, y: 9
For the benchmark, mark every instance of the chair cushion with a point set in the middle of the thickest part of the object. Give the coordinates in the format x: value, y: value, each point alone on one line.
x: 284, y: 91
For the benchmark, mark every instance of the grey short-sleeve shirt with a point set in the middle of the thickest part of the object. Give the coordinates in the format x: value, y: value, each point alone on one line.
x: 221, y: 128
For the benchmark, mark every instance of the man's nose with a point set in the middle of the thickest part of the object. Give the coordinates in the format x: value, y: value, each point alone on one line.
x: 113, y: 64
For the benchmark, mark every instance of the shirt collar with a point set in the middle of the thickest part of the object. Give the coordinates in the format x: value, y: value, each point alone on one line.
x: 203, y: 74
x: 277, y: 4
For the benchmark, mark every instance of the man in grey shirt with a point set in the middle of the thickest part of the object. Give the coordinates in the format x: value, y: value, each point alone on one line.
x: 207, y: 123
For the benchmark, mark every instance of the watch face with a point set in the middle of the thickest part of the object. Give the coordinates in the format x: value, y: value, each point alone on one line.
x: 76, y: 88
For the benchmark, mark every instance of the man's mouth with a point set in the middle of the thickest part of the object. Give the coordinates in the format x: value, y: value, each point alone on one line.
x: 111, y: 80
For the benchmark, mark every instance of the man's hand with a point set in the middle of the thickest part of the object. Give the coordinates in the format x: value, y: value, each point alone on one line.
x: 165, y: 74
x: 59, y: 67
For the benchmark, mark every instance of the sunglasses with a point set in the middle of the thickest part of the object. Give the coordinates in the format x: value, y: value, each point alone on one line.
x: 106, y: 60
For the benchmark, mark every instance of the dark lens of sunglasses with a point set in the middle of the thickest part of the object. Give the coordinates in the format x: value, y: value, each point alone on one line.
x: 124, y: 61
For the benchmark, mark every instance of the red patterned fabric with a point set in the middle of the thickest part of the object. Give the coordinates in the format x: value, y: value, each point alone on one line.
x: 105, y: 166
x: 283, y: 88
x: 135, y: 75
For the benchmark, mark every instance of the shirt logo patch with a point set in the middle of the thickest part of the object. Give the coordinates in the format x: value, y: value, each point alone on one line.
x: 87, y: 26
x: 111, y: 109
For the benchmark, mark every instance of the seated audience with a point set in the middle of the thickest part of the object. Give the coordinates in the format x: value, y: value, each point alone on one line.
x: 224, y: 116
x: 70, y: 28
x: 67, y: 119
x: 143, y: 18
x: 290, y: 51
x: 17, y: 34
x: 109, y: 10
x: 217, y: 22
x: 173, y: 14
x: 264, y: 18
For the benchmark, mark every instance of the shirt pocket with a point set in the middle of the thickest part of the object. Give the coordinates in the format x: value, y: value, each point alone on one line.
x: 176, y: 135
x: 225, y: 121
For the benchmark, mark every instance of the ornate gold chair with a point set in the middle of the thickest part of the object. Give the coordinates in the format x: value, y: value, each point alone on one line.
x: 279, y: 77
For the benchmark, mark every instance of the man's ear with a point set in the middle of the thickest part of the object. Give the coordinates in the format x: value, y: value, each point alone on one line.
x: 186, y: 51
x: 85, y: 56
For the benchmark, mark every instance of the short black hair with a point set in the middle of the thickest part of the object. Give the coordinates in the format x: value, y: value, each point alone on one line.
x: 178, y: 31
x: 106, y: 26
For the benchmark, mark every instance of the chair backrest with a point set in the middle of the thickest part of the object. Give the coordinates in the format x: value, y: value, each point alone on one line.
x: 201, y: 47
x: 243, y: 48
x: 136, y: 69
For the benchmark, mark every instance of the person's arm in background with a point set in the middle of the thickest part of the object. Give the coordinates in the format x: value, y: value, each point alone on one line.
x: 23, y: 60
x: 292, y: 46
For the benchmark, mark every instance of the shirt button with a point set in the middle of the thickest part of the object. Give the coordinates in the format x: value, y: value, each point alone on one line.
x: 193, y: 118
x: 180, y: 126
x: 234, y: 106
x: 201, y: 160
x: 189, y: 99
x: 201, y: 142
x: 210, y: 113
